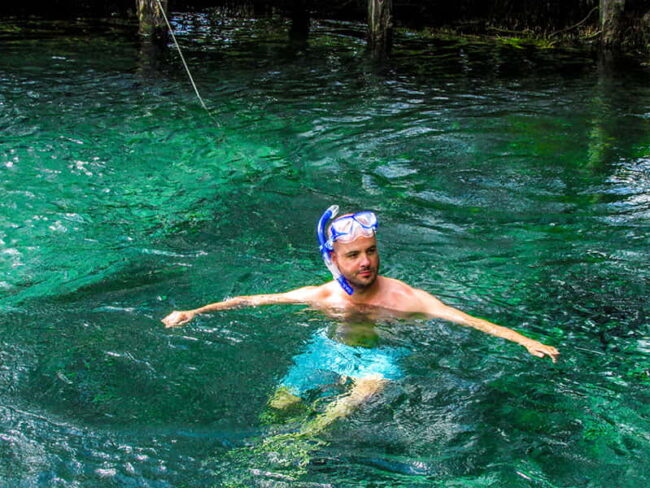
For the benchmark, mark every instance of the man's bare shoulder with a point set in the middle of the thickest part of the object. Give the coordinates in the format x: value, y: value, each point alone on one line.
x: 406, y: 297
x: 400, y: 286
x: 394, y: 285
x: 311, y: 294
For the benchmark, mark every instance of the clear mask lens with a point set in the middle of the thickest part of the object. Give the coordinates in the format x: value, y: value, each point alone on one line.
x: 366, y: 219
x: 351, y: 227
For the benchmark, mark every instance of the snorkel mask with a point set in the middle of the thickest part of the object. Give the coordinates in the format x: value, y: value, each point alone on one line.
x: 345, y: 229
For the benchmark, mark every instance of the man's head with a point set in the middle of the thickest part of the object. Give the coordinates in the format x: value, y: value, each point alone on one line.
x: 352, y: 237
x: 358, y: 262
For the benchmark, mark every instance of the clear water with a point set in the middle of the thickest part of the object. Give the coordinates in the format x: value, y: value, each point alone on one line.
x: 511, y: 182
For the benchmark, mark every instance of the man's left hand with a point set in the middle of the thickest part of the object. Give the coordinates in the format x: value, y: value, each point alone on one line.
x: 540, y: 350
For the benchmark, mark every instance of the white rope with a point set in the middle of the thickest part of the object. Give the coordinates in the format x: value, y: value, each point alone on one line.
x: 180, y: 53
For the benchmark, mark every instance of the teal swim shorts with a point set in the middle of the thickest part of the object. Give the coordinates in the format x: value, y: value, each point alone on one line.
x: 325, y: 361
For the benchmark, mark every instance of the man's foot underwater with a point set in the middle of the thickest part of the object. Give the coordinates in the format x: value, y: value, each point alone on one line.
x: 284, y: 407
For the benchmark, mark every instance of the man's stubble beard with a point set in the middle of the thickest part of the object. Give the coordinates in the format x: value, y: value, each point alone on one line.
x: 364, y: 285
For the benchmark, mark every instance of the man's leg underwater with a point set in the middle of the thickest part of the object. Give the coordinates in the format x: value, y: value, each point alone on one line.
x: 291, y: 452
x: 362, y: 390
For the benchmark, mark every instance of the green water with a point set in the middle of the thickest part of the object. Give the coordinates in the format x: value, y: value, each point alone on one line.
x: 510, y: 182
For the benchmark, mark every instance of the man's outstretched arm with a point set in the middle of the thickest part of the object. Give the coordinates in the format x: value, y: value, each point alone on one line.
x: 437, y: 309
x: 300, y: 295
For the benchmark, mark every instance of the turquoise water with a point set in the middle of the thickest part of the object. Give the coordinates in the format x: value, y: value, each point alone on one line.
x: 511, y: 182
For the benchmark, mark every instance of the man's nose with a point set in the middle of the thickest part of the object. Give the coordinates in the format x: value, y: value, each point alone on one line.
x: 365, y: 260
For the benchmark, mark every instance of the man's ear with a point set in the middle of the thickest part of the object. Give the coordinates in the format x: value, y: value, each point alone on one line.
x: 333, y: 257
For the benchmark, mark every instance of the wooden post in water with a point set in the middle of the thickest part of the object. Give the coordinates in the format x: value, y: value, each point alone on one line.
x: 152, y: 20
x: 380, y: 27
x: 153, y: 35
x: 611, y: 14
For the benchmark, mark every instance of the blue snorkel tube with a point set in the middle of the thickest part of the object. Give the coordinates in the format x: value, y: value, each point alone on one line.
x: 326, y: 248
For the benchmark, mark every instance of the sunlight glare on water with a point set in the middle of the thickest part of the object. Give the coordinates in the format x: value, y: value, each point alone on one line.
x: 511, y: 183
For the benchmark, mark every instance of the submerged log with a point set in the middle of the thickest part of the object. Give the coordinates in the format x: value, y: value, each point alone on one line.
x: 152, y: 19
x: 380, y: 27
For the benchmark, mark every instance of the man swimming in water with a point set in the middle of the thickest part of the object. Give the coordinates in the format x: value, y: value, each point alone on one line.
x: 349, y: 249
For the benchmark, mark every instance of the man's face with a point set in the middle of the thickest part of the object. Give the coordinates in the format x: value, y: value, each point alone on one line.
x: 358, y: 261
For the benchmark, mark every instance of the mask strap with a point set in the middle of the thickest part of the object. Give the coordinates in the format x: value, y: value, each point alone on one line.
x: 326, y: 248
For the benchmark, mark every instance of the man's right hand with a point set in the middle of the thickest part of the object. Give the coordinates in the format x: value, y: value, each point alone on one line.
x: 177, y: 318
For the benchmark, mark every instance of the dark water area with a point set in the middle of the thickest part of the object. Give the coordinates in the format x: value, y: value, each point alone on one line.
x: 510, y: 181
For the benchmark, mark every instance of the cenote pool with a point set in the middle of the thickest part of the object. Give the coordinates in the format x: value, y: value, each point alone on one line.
x: 511, y: 182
